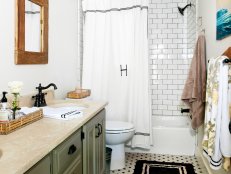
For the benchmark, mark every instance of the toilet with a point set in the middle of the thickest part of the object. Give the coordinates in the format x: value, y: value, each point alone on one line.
x: 117, y: 134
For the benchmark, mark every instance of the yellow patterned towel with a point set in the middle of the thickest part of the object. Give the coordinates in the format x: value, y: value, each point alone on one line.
x: 216, y: 140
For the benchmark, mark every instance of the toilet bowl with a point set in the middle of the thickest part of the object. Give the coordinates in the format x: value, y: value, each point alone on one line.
x: 117, y: 134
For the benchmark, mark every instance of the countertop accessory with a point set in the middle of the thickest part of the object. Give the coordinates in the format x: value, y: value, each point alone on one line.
x: 4, y: 100
x: 63, y: 113
x: 15, y: 88
x: 40, y: 97
x: 4, y: 112
x: 15, y: 105
x: 79, y: 93
x: 10, y: 126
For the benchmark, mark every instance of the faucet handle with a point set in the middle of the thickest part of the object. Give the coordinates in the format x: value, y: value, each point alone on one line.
x: 36, y: 103
x: 39, y: 88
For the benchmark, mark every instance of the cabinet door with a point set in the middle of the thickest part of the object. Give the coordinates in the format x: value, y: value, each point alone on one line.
x: 89, y: 148
x: 100, y: 147
x: 42, y: 167
x: 68, y: 153
x: 76, y: 168
x: 94, y: 145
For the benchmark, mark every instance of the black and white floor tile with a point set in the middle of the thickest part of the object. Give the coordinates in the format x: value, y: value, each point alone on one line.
x: 131, y: 159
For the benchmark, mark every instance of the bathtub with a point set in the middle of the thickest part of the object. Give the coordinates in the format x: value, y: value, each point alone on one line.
x: 171, y: 135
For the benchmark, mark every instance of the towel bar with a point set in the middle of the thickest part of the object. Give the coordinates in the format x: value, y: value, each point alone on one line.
x: 227, y: 61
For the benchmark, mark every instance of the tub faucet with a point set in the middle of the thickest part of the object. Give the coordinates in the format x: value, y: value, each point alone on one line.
x: 40, y: 97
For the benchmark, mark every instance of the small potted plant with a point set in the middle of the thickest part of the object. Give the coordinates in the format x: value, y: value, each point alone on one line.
x: 15, y: 88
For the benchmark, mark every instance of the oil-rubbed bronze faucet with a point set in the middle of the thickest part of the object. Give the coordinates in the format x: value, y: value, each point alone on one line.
x: 40, y: 97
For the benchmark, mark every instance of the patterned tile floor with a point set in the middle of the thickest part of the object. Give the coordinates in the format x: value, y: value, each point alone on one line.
x: 131, y: 159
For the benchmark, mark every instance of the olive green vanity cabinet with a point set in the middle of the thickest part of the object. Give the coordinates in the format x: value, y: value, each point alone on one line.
x: 42, y: 167
x: 94, y: 145
x: 81, y: 153
x: 67, y: 157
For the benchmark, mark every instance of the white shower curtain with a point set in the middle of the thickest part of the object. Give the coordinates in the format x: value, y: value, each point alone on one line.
x: 115, y: 38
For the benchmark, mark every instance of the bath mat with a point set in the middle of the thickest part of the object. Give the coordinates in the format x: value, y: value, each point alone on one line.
x: 156, y: 167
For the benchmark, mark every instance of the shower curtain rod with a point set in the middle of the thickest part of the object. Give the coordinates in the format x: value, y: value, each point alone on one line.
x: 117, y: 9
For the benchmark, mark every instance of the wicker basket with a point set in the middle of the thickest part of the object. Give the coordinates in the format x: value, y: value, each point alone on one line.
x: 10, y: 126
x: 79, y: 93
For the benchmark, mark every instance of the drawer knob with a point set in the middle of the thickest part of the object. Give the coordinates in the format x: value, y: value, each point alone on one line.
x: 72, y: 149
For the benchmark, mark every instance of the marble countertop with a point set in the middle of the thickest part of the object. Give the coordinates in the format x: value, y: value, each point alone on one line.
x: 23, y: 148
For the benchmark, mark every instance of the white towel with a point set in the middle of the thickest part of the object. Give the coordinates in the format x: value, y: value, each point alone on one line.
x: 63, y: 113
x: 26, y: 110
x: 225, y: 141
x: 216, y: 140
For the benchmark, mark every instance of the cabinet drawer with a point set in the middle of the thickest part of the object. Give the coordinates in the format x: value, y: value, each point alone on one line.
x: 67, y: 153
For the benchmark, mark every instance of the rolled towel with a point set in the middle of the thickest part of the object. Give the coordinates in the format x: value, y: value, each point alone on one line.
x: 63, y: 113
x: 26, y: 110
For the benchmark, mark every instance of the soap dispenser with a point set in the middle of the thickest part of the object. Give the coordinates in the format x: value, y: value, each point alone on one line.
x: 4, y: 113
x: 4, y: 100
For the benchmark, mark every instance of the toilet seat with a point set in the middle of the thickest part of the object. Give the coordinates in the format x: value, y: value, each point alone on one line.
x: 116, y: 127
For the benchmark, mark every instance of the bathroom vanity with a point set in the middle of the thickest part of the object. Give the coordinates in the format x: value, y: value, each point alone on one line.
x: 51, y: 146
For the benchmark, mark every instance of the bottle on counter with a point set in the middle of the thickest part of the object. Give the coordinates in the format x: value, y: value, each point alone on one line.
x: 4, y: 100
x: 4, y: 113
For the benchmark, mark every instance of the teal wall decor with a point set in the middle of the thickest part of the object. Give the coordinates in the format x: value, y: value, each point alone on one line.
x: 223, y: 19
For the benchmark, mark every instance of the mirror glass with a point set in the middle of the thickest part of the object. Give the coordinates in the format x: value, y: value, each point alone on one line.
x: 32, y: 27
x: 31, y: 33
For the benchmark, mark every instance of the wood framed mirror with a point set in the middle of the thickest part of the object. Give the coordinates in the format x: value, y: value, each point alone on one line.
x: 31, y: 37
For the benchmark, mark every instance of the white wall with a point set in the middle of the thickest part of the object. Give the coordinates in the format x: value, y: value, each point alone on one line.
x: 207, y: 10
x: 63, y: 64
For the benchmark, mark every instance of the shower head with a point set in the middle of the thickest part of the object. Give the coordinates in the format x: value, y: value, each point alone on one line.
x: 181, y: 10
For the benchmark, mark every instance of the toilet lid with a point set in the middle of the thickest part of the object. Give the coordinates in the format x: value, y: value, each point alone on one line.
x: 118, y: 126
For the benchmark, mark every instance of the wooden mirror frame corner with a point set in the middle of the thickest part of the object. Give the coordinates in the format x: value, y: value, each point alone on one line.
x: 28, y: 57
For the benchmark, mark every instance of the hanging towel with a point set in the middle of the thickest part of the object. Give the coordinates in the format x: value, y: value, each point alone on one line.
x: 217, y: 141
x: 194, y: 90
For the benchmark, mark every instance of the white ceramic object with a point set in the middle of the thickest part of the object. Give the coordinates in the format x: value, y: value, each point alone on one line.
x: 117, y: 134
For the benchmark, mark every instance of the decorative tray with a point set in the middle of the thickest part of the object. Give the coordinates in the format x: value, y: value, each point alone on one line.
x: 79, y: 93
x: 10, y: 126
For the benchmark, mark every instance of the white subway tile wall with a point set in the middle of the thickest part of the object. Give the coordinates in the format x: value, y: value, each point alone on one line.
x: 171, y: 44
